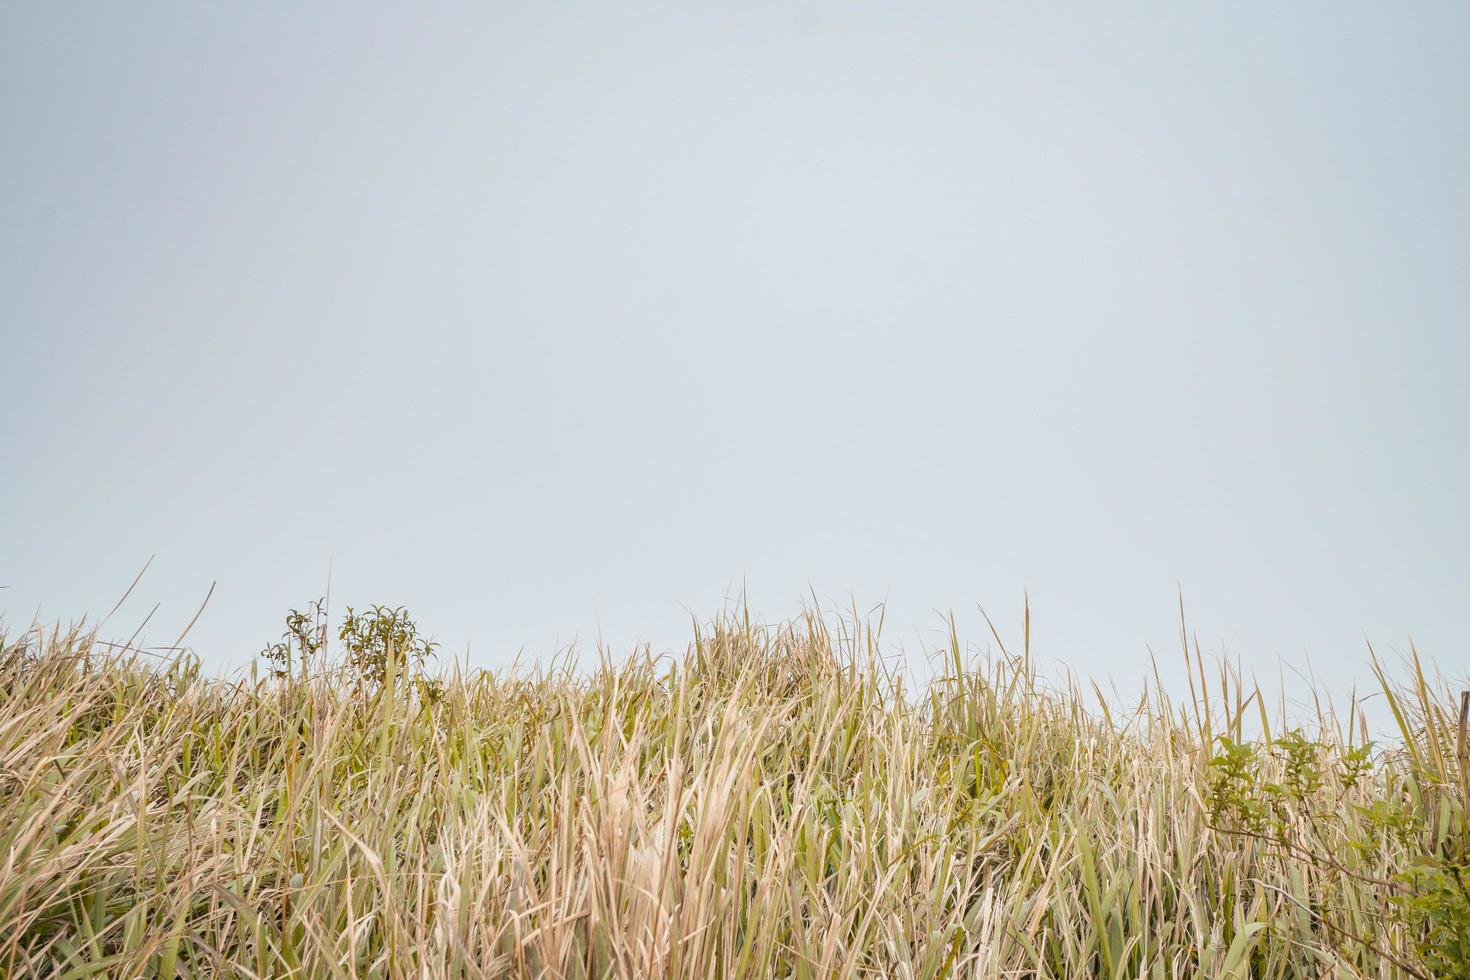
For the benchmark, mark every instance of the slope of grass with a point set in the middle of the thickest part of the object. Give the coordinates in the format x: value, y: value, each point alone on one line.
x: 773, y: 803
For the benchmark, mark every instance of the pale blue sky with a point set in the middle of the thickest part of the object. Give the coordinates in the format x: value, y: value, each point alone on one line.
x: 547, y: 318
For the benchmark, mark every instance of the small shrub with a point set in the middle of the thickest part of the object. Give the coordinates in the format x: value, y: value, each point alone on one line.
x: 381, y: 636
x: 371, y: 640
x: 305, y: 635
x: 1436, y: 907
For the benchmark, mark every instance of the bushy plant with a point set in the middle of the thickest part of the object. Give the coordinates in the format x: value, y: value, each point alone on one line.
x: 305, y: 635
x: 381, y: 639
x: 374, y: 642
x: 1280, y: 793
x: 1435, y: 903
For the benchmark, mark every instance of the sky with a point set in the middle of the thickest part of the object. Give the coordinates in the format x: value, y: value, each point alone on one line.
x: 567, y: 323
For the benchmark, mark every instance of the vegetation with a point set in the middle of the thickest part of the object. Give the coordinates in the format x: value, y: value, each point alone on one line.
x: 775, y: 802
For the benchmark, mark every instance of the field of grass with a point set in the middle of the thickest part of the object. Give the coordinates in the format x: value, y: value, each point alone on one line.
x: 775, y: 802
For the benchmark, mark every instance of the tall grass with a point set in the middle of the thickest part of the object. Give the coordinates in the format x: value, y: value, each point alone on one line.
x: 773, y: 803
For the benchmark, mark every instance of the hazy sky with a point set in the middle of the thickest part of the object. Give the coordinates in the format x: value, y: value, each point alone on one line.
x: 546, y: 319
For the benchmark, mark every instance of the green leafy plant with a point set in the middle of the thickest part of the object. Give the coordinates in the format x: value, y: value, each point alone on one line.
x: 305, y: 635
x: 1302, y: 776
x: 372, y: 641
x: 1277, y: 794
x: 1436, y: 907
x: 380, y: 638
x: 1259, y: 790
x: 1355, y: 765
x: 1233, y: 795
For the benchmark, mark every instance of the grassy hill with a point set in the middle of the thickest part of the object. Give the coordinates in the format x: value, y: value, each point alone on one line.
x: 775, y: 802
